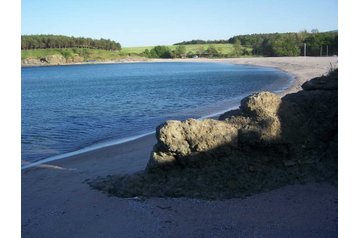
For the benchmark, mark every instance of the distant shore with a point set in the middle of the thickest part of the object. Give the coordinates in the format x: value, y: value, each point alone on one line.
x: 54, y: 195
x: 301, y: 68
x: 286, y: 64
x: 37, y: 63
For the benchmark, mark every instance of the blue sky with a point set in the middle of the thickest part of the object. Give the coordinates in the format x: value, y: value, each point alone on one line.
x: 155, y: 22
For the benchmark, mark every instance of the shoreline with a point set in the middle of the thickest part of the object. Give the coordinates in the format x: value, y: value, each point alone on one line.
x: 105, y: 144
x: 56, y: 199
x: 90, y: 148
x: 270, y: 62
x: 273, y: 62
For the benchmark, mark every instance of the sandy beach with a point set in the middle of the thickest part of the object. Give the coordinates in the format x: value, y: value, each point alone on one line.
x: 56, y: 202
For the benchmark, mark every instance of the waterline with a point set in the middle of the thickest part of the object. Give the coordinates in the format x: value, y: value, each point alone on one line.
x: 90, y: 148
x: 105, y: 144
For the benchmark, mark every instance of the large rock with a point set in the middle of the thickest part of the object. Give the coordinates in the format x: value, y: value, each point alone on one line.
x: 299, y: 125
x: 257, y: 119
x: 322, y: 83
x: 269, y: 142
x: 309, y: 118
x: 194, y: 140
x: 182, y: 142
x: 260, y: 105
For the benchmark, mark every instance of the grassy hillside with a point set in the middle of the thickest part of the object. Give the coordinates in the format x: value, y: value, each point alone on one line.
x: 97, y: 54
x: 87, y: 54
x: 135, y: 50
x: 223, y: 48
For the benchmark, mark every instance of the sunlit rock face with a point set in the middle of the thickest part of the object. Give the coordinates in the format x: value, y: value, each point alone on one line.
x: 179, y: 142
x: 301, y: 124
x: 268, y: 143
x: 193, y: 140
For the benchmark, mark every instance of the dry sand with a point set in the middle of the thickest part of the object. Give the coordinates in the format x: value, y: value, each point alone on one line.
x: 57, y: 203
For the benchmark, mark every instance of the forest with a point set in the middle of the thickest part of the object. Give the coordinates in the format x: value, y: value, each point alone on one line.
x: 281, y: 44
x: 59, y: 41
x: 301, y: 43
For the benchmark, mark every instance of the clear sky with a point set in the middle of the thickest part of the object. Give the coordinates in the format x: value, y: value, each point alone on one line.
x: 155, y: 22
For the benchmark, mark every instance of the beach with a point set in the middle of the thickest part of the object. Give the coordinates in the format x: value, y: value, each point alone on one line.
x: 56, y: 201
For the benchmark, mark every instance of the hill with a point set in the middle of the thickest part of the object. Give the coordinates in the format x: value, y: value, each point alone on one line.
x: 78, y: 55
x: 57, y: 49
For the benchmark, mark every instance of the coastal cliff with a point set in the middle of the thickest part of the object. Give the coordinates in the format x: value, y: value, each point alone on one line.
x: 268, y: 143
x: 52, y: 60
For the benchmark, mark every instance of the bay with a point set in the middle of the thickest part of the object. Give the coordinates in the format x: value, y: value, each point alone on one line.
x: 66, y: 108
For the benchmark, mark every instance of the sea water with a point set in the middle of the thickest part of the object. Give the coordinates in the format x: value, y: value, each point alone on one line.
x: 68, y: 108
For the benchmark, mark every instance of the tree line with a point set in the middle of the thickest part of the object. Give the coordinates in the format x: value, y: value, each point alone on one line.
x: 180, y: 51
x: 196, y: 42
x: 165, y: 52
x: 281, y: 44
x: 59, y: 41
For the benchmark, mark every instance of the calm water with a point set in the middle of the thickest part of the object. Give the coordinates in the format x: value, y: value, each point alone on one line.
x: 66, y: 108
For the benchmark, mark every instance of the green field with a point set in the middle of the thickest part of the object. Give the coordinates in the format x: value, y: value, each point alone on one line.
x: 223, y: 48
x: 101, y: 55
x: 135, y: 50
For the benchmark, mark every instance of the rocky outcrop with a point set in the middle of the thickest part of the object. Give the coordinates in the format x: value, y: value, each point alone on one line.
x: 182, y: 142
x: 256, y: 122
x: 322, y: 83
x: 55, y: 59
x: 309, y: 118
x: 75, y: 59
x: 31, y: 61
x: 257, y: 119
x: 299, y: 122
x: 268, y: 143
x: 52, y: 60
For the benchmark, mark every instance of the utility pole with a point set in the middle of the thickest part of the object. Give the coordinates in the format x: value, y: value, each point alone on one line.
x: 320, y: 52
x: 304, y: 49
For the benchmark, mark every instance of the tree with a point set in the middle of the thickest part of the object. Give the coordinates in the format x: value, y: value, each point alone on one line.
x: 146, y: 53
x: 266, y: 47
x: 190, y: 54
x: 275, y: 44
x: 60, y: 41
x: 160, y: 52
x: 285, y: 46
x: 246, y: 51
x: 180, y: 51
x: 211, y: 51
x: 237, y: 47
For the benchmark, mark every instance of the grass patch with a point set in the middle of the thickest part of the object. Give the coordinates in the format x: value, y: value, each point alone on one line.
x: 87, y: 54
x: 225, y: 49
x: 101, y: 55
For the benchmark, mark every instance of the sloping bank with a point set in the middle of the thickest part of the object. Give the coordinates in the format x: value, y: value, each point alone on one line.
x: 52, y: 60
x: 268, y: 143
x: 57, y: 59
